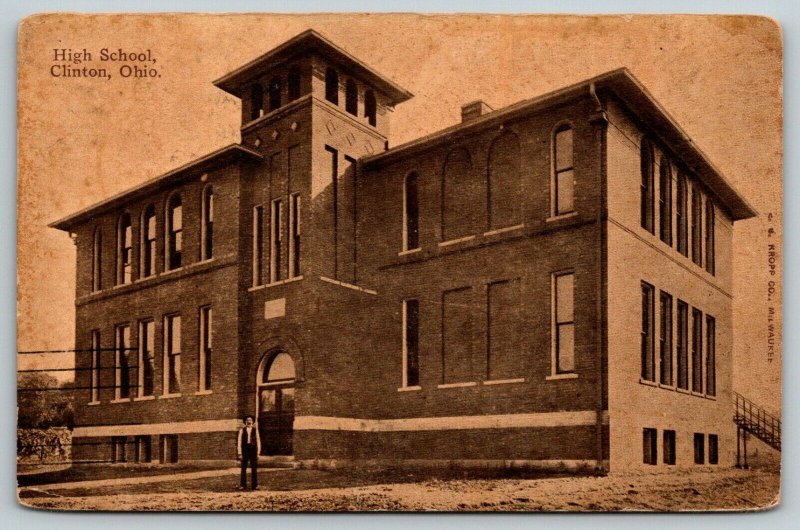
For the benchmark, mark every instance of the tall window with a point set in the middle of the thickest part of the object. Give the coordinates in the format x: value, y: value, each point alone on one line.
x: 124, y: 250
x: 711, y: 354
x: 669, y: 448
x: 96, y: 356
x: 258, y: 244
x: 174, y: 232
x: 665, y: 202
x: 647, y: 185
x: 563, y: 172
x: 563, y: 323
x: 410, y: 343
x: 256, y: 101
x: 332, y: 86
x: 648, y: 359
x: 206, y: 348
x: 699, y: 448
x: 118, y: 444
x: 332, y: 162
x: 457, y: 341
x: 294, y: 235
x: 410, y: 212
x: 650, y: 446
x: 713, y: 449
x: 504, y: 182
x: 274, y: 93
x: 147, y: 337
x: 172, y: 354
x: 683, y: 345
x: 149, y: 241
x: 710, y: 238
x: 351, y: 97
x: 697, y: 350
x: 463, y: 195
x: 97, y: 260
x: 144, y: 449
x: 665, y: 338
x: 370, y: 107
x: 123, y: 365
x: 294, y: 82
x: 207, y: 224
x: 275, y: 257
x: 697, y: 226
x: 681, y: 216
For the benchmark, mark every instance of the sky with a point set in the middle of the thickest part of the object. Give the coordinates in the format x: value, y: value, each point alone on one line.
x: 82, y: 140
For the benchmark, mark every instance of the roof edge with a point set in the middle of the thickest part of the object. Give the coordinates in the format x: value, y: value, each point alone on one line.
x: 209, y: 160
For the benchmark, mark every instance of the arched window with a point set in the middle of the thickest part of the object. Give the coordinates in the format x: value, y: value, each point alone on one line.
x: 274, y: 93
x: 124, y: 249
x: 148, y: 241
x: 563, y: 186
x: 351, y: 97
x: 256, y: 101
x: 410, y: 213
x: 294, y: 82
x: 97, y: 260
x: 504, y: 182
x: 370, y: 107
x: 332, y: 86
x: 463, y: 197
x: 207, y: 224
x: 647, y: 185
x: 280, y: 369
x: 174, y: 232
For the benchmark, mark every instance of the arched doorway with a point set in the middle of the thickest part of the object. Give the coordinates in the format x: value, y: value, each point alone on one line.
x: 275, y: 403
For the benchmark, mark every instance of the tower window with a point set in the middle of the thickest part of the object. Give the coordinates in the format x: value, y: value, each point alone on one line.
x: 274, y: 93
x: 370, y: 107
x: 647, y: 185
x: 97, y: 260
x: 256, y: 101
x: 294, y: 82
x: 563, y: 172
x: 149, y: 241
x: 351, y: 97
x: 207, y: 224
x: 332, y: 86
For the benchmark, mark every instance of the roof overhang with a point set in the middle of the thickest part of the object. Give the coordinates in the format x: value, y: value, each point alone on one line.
x: 208, y: 162
x: 633, y: 95
x: 311, y: 41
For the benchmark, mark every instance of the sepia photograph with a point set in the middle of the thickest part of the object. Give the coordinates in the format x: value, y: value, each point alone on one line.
x: 399, y: 262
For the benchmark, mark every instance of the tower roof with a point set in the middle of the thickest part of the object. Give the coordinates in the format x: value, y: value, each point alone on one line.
x: 306, y: 42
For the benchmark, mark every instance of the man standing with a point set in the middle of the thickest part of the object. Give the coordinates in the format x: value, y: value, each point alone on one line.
x: 248, y: 447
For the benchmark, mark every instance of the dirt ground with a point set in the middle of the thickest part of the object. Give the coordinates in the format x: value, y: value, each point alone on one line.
x: 295, y: 490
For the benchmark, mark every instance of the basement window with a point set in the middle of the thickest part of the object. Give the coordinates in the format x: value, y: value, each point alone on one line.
x: 650, y: 446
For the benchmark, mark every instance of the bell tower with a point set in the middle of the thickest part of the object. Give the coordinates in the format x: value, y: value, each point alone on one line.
x: 312, y: 110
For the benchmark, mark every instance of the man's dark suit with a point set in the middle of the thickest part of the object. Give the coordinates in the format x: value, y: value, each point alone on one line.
x: 248, y: 447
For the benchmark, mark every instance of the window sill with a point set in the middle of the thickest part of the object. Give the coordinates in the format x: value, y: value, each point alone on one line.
x: 712, y: 398
x: 409, y: 388
x: 560, y: 217
x: 698, y: 394
x: 457, y: 385
x: 504, y: 381
x: 558, y: 377
x: 172, y: 271
x: 203, y: 393
x: 503, y: 230
x: 647, y: 382
x: 120, y: 400
x: 682, y: 390
x: 274, y: 284
x: 145, y: 278
x: 410, y: 251
x: 169, y: 396
x: 144, y: 398
x: 666, y: 387
x: 456, y: 241
x: 204, y: 261
x: 93, y: 403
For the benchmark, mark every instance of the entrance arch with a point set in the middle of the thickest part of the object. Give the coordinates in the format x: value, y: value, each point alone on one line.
x: 275, y: 380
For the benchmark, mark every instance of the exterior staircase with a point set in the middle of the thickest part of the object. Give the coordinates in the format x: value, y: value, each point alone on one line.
x: 753, y: 419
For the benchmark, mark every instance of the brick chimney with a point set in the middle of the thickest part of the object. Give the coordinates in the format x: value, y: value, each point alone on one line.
x: 474, y: 109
